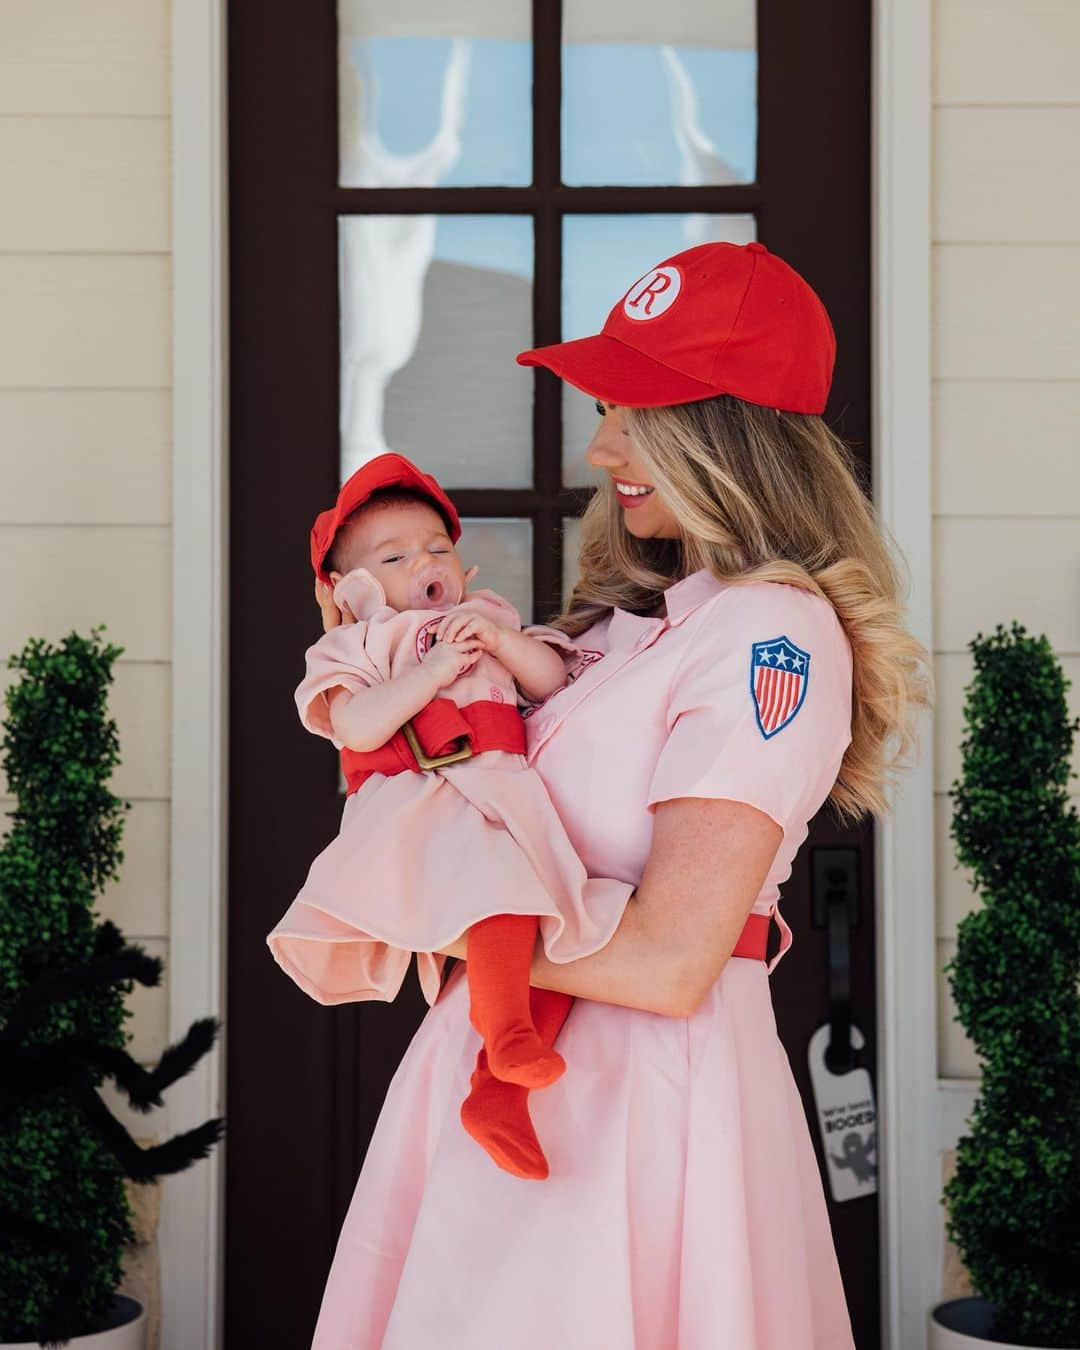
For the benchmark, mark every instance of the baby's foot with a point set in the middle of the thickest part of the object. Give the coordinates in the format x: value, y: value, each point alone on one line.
x: 496, y: 1115
x: 518, y: 1055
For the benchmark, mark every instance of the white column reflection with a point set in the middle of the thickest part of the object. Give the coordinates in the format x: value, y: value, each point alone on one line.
x: 383, y: 260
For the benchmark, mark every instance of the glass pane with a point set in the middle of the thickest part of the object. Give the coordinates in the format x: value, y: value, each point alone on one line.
x: 433, y: 309
x: 434, y: 94
x: 502, y: 547
x: 659, y: 93
x: 571, y: 548
x: 602, y: 258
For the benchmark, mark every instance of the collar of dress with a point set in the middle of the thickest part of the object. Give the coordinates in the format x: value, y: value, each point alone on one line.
x: 681, y: 599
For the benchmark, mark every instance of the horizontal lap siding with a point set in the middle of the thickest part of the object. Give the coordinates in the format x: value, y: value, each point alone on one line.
x: 85, y: 368
x: 1006, y: 363
x: 1005, y: 246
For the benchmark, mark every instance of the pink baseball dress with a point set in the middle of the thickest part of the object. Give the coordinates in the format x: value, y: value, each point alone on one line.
x: 420, y: 857
x: 684, y: 1208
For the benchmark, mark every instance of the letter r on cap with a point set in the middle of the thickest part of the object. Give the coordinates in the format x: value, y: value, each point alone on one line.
x: 652, y: 294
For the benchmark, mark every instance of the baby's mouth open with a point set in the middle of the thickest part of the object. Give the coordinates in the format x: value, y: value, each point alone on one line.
x: 434, y: 590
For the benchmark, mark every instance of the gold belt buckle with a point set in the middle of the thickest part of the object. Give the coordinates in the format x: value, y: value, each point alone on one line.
x: 426, y: 761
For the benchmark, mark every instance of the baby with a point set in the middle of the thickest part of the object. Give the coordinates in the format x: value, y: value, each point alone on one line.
x: 446, y: 829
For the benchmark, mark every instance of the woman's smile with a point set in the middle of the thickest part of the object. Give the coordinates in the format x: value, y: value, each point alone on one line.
x: 631, y: 494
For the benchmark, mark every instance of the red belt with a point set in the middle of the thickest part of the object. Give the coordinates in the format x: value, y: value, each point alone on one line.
x: 443, y: 732
x: 754, y: 936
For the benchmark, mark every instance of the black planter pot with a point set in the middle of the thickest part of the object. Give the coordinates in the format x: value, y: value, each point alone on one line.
x: 964, y: 1324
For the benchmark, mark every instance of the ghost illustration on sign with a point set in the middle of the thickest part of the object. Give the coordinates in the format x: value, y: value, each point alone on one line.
x: 856, y: 1156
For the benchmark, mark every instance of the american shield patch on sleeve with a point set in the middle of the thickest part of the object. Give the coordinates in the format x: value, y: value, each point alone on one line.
x: 778, y: 675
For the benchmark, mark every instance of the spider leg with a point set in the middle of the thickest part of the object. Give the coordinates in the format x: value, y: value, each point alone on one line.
x: 177, y: 1059
x: 37, y: 1065
x: 52, y: 986
x: 144, y: 1164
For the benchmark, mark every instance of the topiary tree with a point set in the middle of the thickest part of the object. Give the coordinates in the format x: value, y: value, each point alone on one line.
x: 1014, y: 1201
x: 64, y: 1214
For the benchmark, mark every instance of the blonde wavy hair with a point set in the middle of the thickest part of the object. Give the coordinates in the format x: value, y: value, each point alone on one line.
x: 766, y: 495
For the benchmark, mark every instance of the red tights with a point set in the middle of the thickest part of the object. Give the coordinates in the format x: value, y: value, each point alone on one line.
x: 518, y: 1024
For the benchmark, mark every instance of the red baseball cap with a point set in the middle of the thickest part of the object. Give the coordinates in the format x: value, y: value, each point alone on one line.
x: 389, y: 470
x: 718, y: 318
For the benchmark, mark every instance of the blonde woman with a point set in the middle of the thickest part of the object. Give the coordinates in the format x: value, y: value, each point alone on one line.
x: 743, y: 662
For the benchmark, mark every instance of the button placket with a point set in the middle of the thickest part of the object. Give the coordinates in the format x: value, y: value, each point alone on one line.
x: 592, y: 678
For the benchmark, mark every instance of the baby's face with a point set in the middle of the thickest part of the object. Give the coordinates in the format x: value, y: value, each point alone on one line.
x: 399, y: 542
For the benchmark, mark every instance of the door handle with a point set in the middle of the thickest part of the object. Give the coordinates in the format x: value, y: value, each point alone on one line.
x: 834, y: 905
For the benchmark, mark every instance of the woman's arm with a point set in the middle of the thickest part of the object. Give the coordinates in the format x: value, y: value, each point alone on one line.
x: 708, y: 862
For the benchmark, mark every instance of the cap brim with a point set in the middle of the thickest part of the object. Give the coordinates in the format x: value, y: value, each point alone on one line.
x: 606, y: 368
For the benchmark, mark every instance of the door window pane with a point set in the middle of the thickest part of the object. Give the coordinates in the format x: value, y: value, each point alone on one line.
x: 433, y: 309
x: 603, y: 255
x: 502, y: 546
x: 659, y: 94
x: 434, y: 94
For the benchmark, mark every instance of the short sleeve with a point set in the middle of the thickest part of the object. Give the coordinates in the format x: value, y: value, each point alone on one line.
x: 337, y: 658
x: 760, y: 708
x: 493, y: 606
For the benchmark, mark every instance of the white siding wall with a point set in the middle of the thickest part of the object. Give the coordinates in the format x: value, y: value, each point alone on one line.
x: 1006, y: 359
x: 84, y: 396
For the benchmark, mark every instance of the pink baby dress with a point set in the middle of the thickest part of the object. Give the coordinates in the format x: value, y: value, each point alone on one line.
x: 685, y: 1208
x: 421, y: 856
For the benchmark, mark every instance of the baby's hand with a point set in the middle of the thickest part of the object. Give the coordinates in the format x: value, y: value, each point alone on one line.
x: 448, y: 660
x: 472, y: 628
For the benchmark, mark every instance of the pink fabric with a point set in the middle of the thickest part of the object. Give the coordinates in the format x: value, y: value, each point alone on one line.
x: 685, y: 1209
x: 384, y: 642
x: 420, y: 857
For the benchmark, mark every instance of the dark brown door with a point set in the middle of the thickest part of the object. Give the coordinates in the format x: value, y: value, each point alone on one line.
x: 324, y: 363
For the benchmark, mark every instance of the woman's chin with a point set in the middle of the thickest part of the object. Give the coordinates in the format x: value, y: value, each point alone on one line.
x: 651, y: 520
x: 640, y: 528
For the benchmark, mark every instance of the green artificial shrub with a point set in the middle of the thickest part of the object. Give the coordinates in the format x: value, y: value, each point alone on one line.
x: 1014, y: 1202
x: 64, y: 1214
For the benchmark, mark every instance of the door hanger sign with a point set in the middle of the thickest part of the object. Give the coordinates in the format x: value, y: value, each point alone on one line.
x: 847, y: 1120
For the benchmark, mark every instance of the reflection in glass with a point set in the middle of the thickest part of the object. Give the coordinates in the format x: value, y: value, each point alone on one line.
x: 502, y: 546
x: 433, y: 309
x: 434, y: 94
x: 602, y: 258
x: 659, y: 94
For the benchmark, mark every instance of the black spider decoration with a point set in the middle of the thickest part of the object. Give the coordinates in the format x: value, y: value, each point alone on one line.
x: 64, y: 1068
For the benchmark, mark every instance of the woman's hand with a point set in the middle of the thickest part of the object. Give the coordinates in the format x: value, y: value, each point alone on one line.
x: 332, y: 616
x: 459, y: 948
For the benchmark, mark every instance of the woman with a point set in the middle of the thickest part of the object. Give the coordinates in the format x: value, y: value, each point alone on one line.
x: 744, y: 661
